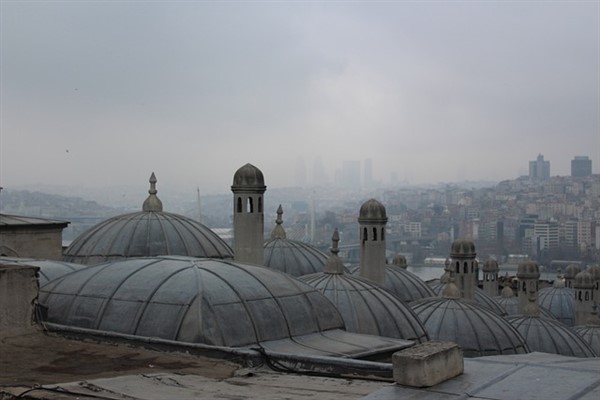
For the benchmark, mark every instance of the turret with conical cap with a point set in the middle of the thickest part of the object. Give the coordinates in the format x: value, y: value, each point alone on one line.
x: 248, y: 214
x: 583, y: 285
x: 463, y: 264
x: 490, y: 277
x: 528, y: 274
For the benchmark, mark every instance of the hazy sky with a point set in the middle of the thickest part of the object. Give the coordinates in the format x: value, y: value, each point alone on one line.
x: 105, y: 92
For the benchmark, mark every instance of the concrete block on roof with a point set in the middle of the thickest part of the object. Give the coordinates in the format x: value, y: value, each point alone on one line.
x: 427, y: 364
x: 18, y: 296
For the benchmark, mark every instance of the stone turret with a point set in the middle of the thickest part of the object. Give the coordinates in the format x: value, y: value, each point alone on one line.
x: 463, y: 264
x: 248, y: 214
x: 528, y: 274
x: 372, y: 220
x: 570, y: 272
x: 490, y: 277
x: 584, y: 287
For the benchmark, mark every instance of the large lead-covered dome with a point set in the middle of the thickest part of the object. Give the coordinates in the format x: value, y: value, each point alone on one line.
x: 150, y: 232
x: 216, y: 302
x: 477, y: 331
x: 291, y: 256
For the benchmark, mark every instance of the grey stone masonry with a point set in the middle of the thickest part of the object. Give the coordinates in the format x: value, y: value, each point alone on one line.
x: 427, y: 364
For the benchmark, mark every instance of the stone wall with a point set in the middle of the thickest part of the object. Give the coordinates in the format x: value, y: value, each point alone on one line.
x: 18, y: 297
x: 33, y: 243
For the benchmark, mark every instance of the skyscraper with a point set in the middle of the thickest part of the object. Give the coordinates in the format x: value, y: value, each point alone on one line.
x: 539, y: 170
x: 581, y: 166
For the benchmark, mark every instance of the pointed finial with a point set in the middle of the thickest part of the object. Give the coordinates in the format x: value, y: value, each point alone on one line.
x: 450, y: 291
x: 152, y: 203
x: 278, y: 232
x: 334, y: 265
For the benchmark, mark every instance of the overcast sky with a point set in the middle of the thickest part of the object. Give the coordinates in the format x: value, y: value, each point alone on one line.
x: 101, y: 92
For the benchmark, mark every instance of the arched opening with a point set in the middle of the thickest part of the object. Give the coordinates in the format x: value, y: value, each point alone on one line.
x: 457, y: 267
x: 239, y: 205
x: 382, y: 233
x: 374, y: 234
x: 260, y: 205
x: 364, y: 236
x: 465, y: 268
x: 250, y: 205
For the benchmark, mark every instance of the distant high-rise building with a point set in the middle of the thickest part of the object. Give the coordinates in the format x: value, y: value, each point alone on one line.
x: 539, y: 170
x: 350, y: 175
x: 368, y: 174
x: 581, y: 166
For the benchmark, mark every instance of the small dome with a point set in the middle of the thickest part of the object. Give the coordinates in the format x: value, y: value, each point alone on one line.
x: 248, y: 177
x: 49, y: 269
x: 591, y: 335
x: 528, y: 270
x: 560, y: 301
x: 491, y: 266
x: 462, y: 248
x: 550, y: 336
x: 210, y: 301
x: 571, y: 271
x: 291, y: 256
x: 368, y: 309
x: 480, y: 297
x: 583, y: 280
x: 403, y: 283
x: 147, y: 233
x: 594, y: 271
x: 477, y: 331
x: 372, y: 211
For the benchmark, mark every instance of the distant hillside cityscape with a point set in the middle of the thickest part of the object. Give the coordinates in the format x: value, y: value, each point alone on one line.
x: 546, y: 218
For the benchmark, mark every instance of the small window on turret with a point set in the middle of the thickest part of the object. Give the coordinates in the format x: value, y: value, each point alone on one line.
x: 239, y: 204
x: 374, y: 234
x: 250, y: 205
x: 260, y: 205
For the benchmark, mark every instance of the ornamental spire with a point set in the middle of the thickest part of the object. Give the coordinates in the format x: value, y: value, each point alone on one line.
x: 152, y: 202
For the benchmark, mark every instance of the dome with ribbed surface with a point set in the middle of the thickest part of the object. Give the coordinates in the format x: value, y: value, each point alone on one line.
x: 403, y: 283
x: 372, y: 211
x: 211, y: 301
x: 480, y: 297
x: 49, y: 269
x: 291, y: 256
x: 550, y: 336
x: 248, y: 177
x: 560, y: 301
x: 476, y: 330
x: 462, y: 248
x: 591, y: 335
x: 366, y: 308
x: 510, y: 303
x: 148, y: 233
x: 490, y: 265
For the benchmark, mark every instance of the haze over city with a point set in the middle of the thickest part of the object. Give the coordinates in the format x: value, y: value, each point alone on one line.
x: 103, y: 93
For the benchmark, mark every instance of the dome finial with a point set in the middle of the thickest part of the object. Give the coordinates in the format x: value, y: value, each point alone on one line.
x: 531, y: 309
x: 450, y: 291
x: 334, y: 265
x: 278, y: 232
x: 152, y: 203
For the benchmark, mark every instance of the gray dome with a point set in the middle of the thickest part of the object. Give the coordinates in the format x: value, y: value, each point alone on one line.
x: 462, y: 248
x: 591, y: 335
x: 480, y: 297
x: 528, y: 270
x: 403, y: 283
x: 366, y: 308
x: 550, y: 336
x: 49, y: 269
x: 291, y: 256
x: 248, y: 177
x: 490, y: 265
x: 476, y: 330
x: 583, y: 280
x: 216, y: 302
x: 571, y: 271
x: 560, y: 301
x: 372, y: 211
x: 148, y: 233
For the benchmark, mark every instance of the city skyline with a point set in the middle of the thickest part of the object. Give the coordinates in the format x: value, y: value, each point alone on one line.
x: 431, y: 92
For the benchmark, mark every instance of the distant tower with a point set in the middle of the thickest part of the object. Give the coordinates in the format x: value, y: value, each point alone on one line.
x: 463, y: 264
x: 539, y: 170
x: 584, y: 287
x: 199, y: 205
x: 371, y: 220
x: 490, y: 277
x: 528, y: 275
x: 581, y: 166
x: 248, y: 214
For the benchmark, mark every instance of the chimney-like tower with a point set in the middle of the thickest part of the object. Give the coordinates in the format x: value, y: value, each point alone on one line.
x: 371, y: 220
x: 490, y: 277
x: 248, y: 214
x: 528, y: 275
x: 464, y: 266
x: 584, y: 303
